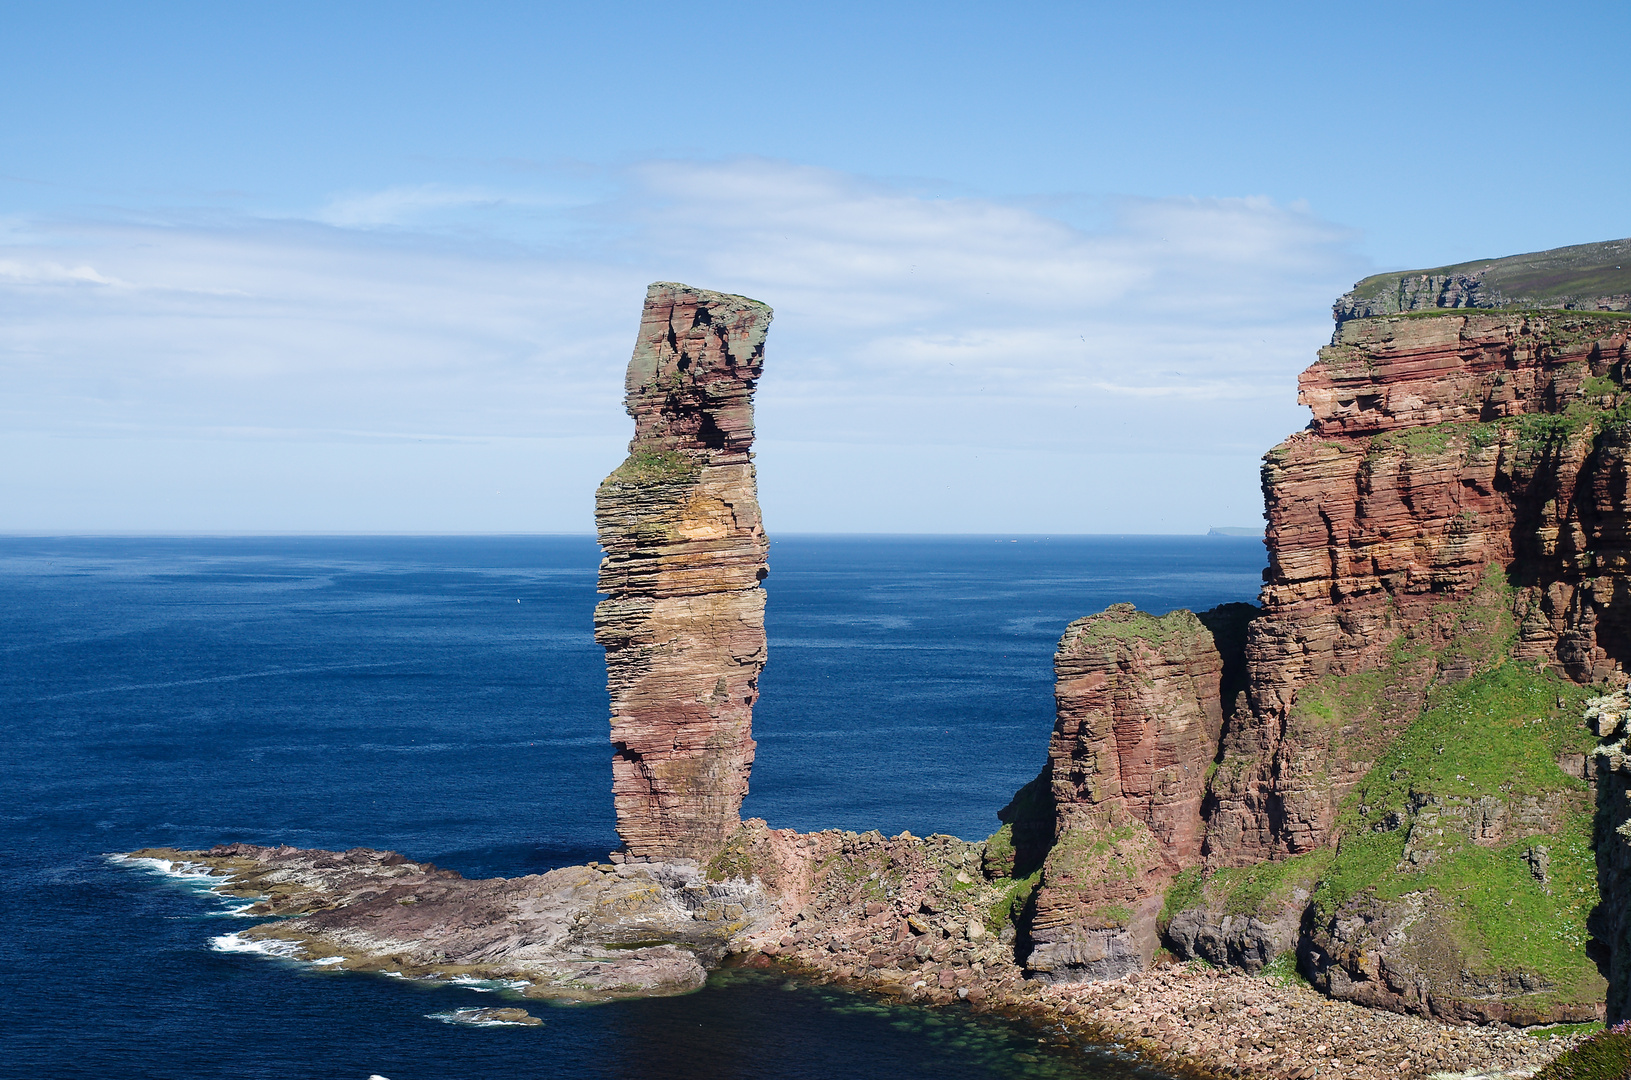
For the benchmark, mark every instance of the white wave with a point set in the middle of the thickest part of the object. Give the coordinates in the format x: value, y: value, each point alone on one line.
x: 328, y: 961
x: 171, y: 868
x: 193, y: 875
x: 487, y: 986
x: 237, y: 943
x: 473, y: 1018
x: 239, y: 911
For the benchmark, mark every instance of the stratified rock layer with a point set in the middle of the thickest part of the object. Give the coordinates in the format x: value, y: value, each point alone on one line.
x: 1138, y: 713
x: 683, y: 621
x: 1400, y: 793
x: 1440, y: 447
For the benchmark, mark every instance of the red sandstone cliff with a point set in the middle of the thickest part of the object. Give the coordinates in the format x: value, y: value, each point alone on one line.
x: 1454, y: 524
x: 1139, y: 710
x: 1440, y: 447
x: 683, y: 618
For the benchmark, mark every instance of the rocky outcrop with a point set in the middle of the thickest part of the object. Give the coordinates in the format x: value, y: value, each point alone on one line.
x: 1138, y: 713
x: 1589, y: 277
x: 683, y: 618
x: 1448, y: 546
x: 1611, y: 922
x: 585, y: 933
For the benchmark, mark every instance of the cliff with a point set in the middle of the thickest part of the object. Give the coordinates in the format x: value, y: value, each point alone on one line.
x: 683, y: 618
x: 1589, y: 277
x: 1117, y: 809
x: 1400, y: 797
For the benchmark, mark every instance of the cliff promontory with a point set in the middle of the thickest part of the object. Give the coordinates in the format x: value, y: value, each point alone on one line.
x: 1400, y: 797
x: 1386, y: 774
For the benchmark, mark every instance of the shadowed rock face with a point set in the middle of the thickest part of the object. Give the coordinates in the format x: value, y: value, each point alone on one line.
x: 683, y: 622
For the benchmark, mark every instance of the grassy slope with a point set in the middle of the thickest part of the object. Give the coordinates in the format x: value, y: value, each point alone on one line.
x: 1540, y: 277
x: 1496, y: 735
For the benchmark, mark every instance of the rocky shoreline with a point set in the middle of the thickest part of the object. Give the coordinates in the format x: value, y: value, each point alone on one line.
x: 1196, y: 1021
x: 896, y: 916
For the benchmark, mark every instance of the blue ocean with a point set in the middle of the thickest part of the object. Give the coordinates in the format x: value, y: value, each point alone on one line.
x: 443, y: 697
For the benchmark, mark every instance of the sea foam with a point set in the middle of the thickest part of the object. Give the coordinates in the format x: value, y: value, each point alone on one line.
x: 194, y: 875
x: 237, y: 943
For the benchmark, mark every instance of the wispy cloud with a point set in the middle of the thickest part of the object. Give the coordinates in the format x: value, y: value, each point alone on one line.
x: 903, y: 320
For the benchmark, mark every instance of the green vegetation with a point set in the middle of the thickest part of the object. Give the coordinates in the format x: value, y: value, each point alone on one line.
x: 1114, y: 915
x: 1605, y: 1056
x: 1540, y: 278
x: 999, y: 852
x: 1480, y: 745
x: 1596, y: 386
x: 1436, y: 439
x: 1123, y: 623
x: 1016, y: 895
x: 1546, y: 1031
x: 1283, y: 970
x: 1264, y: 890
x: 645, y: 467
x: 1494, y: 738
x: 1517, y: 309
x: 1186, y: 891
x: 1111, y: 853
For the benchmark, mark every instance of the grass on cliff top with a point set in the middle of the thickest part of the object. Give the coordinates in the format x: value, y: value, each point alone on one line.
x: 1596, y: 269
x: 1120, y: 623
x: 654, y: 467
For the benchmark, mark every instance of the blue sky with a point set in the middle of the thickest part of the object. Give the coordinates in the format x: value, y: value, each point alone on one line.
x: 1036, y: 268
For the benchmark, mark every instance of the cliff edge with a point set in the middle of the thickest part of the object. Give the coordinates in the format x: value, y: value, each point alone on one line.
x: 1400, y: 794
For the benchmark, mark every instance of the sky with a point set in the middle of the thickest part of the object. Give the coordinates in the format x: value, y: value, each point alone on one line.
x: 1036, y: 268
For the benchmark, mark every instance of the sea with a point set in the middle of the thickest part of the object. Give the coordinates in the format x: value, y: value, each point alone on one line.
x: 443, y: 697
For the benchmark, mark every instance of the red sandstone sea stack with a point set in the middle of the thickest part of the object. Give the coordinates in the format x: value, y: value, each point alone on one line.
x: 683, y: 618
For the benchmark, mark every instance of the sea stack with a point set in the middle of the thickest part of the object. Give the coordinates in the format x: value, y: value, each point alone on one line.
x: 683, y: 619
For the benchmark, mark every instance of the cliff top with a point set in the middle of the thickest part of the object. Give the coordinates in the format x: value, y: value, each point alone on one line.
x: 1586, y: 277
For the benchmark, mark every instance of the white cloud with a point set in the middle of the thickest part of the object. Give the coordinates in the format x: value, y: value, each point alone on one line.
x: 17, y: 272
x: 967, y: 325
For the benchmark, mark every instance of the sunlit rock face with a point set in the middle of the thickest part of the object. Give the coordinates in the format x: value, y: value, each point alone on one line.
x: 1441, y: 447
x: 683, y: 618
x: 1139, y: 709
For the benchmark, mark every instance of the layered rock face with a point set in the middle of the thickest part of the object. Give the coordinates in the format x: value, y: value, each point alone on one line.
x: 1400, y: 795
x: 683, y: 621
x: 1440, y: 447
x: 1139, y: 710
